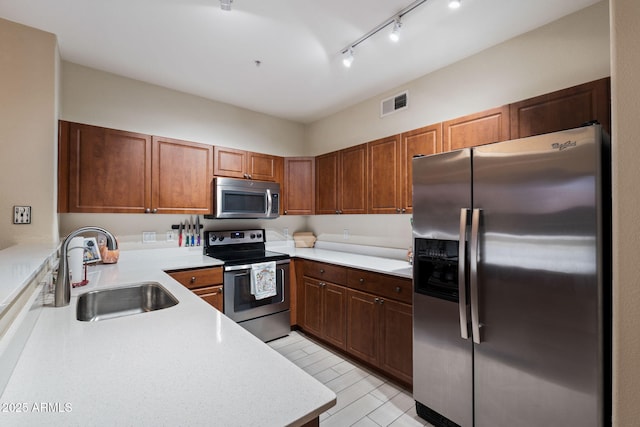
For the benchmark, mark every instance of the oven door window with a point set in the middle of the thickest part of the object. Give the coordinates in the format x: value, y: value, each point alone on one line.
x: 244, y: 202
x: 243, y: 300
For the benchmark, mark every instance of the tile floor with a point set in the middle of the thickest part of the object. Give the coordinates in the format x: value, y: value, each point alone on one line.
x: 365, y: 399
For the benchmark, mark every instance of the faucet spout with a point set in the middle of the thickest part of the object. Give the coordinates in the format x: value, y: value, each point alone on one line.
x: 63, y: 287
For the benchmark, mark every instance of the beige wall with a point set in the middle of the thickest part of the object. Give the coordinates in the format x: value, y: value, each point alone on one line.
x: 570, y: 51
x: 625, y: 34
x: 99, y: 98
x: 28, y: 108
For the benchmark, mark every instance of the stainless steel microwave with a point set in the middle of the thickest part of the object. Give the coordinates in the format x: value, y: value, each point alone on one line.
x: 245, y: 198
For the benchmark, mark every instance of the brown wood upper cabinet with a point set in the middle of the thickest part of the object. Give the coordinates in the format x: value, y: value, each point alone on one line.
x: 341, y: 181
x: 477, y: 129
x: 113, y: 171
x: 563, y: 109
x: 181, y: 176
x: 234, y: 163
x: 390, y: 168
x: 299, y: 186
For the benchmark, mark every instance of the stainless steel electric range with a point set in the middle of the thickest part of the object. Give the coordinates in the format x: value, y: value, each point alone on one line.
x: 256, y: 281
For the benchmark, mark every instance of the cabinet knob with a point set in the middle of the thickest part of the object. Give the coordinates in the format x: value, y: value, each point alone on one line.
x: 155, y: 210
x: 322, y: 271
x: 285, y: 212
x: 398, y: 289
x: 193, y: 279
x: 147, y: 210
x: 398, y: 210
x: 381, y: 301
x: 361, y: 280
x: 323, y: 284
x: 404, y: 210
x: 377, y: 300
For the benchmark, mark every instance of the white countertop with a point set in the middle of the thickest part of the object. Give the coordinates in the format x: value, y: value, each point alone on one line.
x: 394, y: 267
x: 184, y: 365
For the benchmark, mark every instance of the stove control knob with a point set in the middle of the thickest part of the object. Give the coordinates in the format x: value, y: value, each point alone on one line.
x: 213, y: 237
x: 259, y: 235
x: 253, y: 235
x: 221, y: 238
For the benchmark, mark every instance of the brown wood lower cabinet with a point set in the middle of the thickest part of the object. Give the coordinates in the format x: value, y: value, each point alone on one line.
x: 366, y: 314
x: 325, y: 311
x: 379, y: 332
x: 204, y: 282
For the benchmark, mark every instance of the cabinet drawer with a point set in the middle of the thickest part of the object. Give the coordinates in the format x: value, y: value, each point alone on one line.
x: 380, y: 284
x: 328, y: 272
x: 198, y: 278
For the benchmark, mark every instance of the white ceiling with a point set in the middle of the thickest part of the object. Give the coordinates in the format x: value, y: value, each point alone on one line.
x: 195, y: 47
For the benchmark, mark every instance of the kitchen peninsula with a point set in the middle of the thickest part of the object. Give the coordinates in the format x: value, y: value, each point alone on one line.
x: 183, y: 365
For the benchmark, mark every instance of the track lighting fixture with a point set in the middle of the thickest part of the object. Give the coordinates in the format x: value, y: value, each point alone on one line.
x: 348, y: 57
x: 395, y: 33
x: 225, y: 4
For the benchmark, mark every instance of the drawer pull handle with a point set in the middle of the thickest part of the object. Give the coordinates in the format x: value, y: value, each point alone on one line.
x: 322, y: 271
x: 398, y: 289
x: 193, y: 279
x: 323, y: 284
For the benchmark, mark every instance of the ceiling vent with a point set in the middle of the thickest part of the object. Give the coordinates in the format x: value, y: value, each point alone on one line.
x: 395, y: 103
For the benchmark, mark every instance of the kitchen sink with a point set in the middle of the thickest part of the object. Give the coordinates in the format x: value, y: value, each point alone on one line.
x: 124, y: 301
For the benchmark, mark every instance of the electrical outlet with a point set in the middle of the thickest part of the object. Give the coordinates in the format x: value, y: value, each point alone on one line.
x: 285, y: 231
x: 170, y: 237
x: 148, y: 236
x: 22, y: 214
x: 345, y: 234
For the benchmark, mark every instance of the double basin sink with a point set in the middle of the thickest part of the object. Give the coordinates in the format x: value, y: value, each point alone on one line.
x: 123, y: 301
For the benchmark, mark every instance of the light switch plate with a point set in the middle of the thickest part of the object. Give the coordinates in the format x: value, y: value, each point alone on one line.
x: 22, y: 214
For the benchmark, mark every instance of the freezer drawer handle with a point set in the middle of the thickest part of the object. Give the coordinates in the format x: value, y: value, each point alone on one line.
x: 473, y: 277
x: 462, y: 277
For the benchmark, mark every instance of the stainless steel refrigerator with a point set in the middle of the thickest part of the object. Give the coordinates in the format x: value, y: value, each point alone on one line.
x: 512, y: 278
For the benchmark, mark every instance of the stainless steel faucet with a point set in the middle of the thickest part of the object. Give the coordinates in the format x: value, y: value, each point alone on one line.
x: 63, y: 287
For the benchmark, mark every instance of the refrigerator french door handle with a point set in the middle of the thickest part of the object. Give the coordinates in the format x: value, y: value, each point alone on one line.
x: 473, y: 276
x: 462, y: 277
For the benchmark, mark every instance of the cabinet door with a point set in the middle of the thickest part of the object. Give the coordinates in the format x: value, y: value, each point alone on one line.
x: 109, y: 170
x: 334, y: 314
x: 327, y: 176
x: 312, y: 306
x: 396, y: 339
x: 423, y: 141
x: 265, y: 167
x: 229, y: 162
x: 212, y: 295
x: 384, y: 170
x: 299, y: 186
x: 477, y: 129
x: 182, y: 173
x: 563, y: 109
x: 352, y: 193
x: 363, y: 325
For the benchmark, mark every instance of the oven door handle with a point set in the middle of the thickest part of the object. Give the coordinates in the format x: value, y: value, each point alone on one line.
x: 248, y: 266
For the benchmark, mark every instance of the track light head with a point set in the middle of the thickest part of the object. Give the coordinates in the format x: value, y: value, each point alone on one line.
x: 395, y: 33
x: 454, y: 4
x: 225, y: 4
x: 348, y: 57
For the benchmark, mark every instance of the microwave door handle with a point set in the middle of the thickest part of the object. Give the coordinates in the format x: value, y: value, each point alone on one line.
x: 269, y: 203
